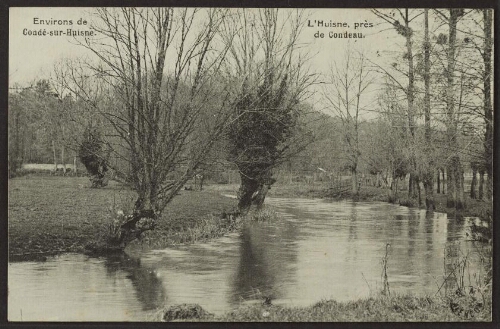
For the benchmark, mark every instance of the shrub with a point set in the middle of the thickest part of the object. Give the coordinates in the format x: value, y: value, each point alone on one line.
x: 94, y: 156
x: 408, y: 203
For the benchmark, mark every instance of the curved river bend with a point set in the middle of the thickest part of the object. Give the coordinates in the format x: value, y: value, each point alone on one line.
x: 320, y: 250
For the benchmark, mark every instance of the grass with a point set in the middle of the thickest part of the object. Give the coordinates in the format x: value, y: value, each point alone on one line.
x: 314, y: 190
x: 474, y: 208
x: 393, y: 308
x: 266, y: 214
x: 381, y: 308
x: 52, y: 215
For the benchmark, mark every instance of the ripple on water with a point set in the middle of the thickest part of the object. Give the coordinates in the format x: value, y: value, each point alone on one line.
x: 319, y: 249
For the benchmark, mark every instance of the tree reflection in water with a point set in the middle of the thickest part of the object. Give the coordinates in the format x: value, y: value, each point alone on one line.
x: 148, y: 286
x: 268, y: 253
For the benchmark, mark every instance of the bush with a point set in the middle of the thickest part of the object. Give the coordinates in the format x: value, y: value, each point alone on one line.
x: 185, y: 312
x: 94, y: 157
x: 408, y: 203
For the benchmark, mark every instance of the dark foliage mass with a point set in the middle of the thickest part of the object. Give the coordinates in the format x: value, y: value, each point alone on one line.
x: 258, y: 139
x: 93, y: 155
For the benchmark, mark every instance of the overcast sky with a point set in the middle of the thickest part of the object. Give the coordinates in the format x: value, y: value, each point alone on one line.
x: 33, y: 57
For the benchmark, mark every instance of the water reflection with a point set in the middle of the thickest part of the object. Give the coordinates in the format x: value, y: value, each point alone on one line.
x: 319, y: 250
x: 147, y: 285
x: 71, y: 287
x: 266, y: 261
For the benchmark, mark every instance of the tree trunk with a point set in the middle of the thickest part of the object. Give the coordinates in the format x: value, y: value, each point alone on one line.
x: 473, y: 184
x: 443, y: 184
x: 413, y: 182
x: 55, y: 157
x: 419, y: 193
x: 455, y: 184
x: 253, y: 192
x: 480, y: 189
x: 247, y: 189
x: 429, y: 196
x: 461, y: 192
x: 489, y: 183
x: 413, y: 187
x: 354, y: 181
x: 488, y: 113
x: 202, y: 179
x: 75, y: 172
x: 63, y: 161
x: 438, y: 181
x: 410, y: 186
x: 260, y: 196
x: 144, y: 218
x: 429, y: 172
x: 450, y: 111
x: 396, y: 188
x: 455, y: 187
x: 450, y: 185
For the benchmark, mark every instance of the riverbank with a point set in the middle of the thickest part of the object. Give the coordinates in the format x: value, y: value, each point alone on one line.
x: 320, y: 190
x: 381, y: 308
x: 50, y: 215
x: 53, y: 215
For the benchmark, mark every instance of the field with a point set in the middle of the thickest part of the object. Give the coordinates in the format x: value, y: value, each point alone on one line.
x: 50, y: 215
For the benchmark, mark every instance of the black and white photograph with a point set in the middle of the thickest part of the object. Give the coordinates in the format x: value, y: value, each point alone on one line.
x: 234, y: 164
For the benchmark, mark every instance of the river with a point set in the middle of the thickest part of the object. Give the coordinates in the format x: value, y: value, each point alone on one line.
x: 319, y: 250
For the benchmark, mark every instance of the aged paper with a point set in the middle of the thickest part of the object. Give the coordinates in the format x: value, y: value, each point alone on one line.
x: 377, y: 198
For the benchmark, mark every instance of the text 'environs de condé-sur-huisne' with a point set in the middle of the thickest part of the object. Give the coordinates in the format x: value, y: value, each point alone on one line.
x: 73, y: 32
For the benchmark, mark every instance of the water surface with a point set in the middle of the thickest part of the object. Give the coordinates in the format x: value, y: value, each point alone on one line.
x: 319, y: 250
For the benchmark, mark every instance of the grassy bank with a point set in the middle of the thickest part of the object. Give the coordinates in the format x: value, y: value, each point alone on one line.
x: 392, y: 309
x: 319, y: 190
x: 381, y: 308
x: 474, y: 208
x: 51, y: 215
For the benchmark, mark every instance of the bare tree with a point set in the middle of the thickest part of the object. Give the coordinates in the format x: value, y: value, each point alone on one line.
x: 156, y: 87
x: 407, y: 32
x: 455, y: 171
x: 393, y: 133
x: 473, y: 71
x: 349, y: 81
x: 428, y: 175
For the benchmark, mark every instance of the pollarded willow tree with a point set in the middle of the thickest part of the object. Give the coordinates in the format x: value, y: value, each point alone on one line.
x: 272, y: 78
x: 156, y: 84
